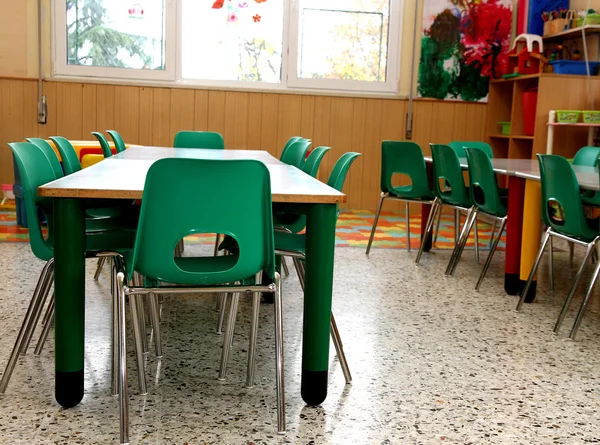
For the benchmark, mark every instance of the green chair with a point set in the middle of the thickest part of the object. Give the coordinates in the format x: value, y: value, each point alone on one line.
x: 172, y: 209
x: 35, y: 170
x: 288, y: 144
x: 450, y: 191
x: 588, y: 156
x: 485, y: 194
x: 460, y: 146
x: 199, y: 139
x: 118, y: 140
x: 70, y: 160
x: 560, y: 189
x: 50, y: 154
x: 312, y: 164
x: 293, y: 245
x: 402, y: 157
x: 295, y: 154
x: 106, y: 151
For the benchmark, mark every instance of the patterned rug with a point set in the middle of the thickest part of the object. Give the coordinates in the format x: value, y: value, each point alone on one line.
x: 353, y: 230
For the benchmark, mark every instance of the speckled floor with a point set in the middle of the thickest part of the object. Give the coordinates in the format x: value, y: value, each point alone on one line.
x: 433, y: 361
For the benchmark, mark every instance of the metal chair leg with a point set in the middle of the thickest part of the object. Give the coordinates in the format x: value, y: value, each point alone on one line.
x: 488, y: 261
x: 39, y: 308
x: 435, y: 207
x: 114, y: 377
x: 567, y: 303
x: 141, y: 313
x: 437, y: 228
x: 279, y: 365
x: 571, y: 252
x: 462, y: 241
x: 155, y: 320
x: 476, y: 240
x: 493, y: 233
x: 253, y: 335
x: 407, y: 211
x: 46, y: 330
x: 339, y: 349
x: 217, y: 241
x: 99, y: 267
x: 456, y: 226
x: 383, y: 195
x: 285, y: 266
x: 228, y: 335
x: 534, y: 269
x: 585, y: 303
x: 221, y: 319
x: 137, y: 335
x: 123, y: 396
x: 12, y: 361
x: 551, y: 266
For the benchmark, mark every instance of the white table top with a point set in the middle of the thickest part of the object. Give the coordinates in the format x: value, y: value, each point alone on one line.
x: 587, y: 177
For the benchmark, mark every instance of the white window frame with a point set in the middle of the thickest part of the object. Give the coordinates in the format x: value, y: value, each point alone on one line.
x: 61, y: 67
x: 392, y: 64
x: 289, y: 68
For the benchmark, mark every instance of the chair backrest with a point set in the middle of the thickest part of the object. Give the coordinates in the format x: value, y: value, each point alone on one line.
x: 459, y: 147
x: 50, y: 154
x: 172, y: 208
x: 340, y: 170
x: 288, y: 144
x: 405, y: 158
x: 199, y: 139
x: 35, y: 170
x: 68, y: 154
x: 295, y: 154
x: 482, y: 176
x: 446, y: 167
x: 560, y: 187
x: 311, y: 166
x: 106, y: 151
x: 118, y: 140
x: 587, y: 156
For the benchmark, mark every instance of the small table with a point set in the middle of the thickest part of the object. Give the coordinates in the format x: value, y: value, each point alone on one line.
x: 122, y: 177
x: 524, y: 215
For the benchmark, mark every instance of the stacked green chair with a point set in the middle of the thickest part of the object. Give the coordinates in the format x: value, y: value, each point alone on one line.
x: 447, y: 173
x: 106, y: 151
x: 486, y: 197
x: 288, y: 144
x: 172, y: 209
x: 295, y: 153
x: 460, y: 147
x: 36, y: 170
x: 404, y: 158
x: 293, y: 245
x: 561, y: 189
x: 118, y: 140
x: 588, y: 157
x: 199, y: 139
x: 48, y: 151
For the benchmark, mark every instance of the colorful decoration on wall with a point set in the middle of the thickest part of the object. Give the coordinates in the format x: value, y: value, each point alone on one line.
x: 465, y: 43
x: 234, y: 7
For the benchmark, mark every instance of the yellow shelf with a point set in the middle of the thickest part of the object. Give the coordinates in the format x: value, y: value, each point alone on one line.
x: 522, y: 137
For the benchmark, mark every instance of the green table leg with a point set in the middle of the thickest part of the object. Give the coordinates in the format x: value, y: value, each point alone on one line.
x: 320, y: 246
x: 69, y: 291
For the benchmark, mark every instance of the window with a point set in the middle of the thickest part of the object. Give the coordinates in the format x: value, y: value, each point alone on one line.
x: 317, y: 44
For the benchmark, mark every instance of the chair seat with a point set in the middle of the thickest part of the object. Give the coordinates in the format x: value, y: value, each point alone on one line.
x: 290, y: 242
x: 406, y: 192
x: 591, y: 198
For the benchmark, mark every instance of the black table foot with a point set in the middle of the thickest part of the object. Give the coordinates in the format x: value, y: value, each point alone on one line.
x: 69, y: 388
x: 314, y: 387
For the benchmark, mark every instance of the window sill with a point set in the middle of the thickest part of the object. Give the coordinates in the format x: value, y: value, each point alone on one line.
x: 274, y: 89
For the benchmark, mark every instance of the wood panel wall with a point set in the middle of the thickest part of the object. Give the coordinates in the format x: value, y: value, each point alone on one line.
x: 152, y: 116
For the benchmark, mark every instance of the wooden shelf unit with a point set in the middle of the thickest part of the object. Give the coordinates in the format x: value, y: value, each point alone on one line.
x: 555, y: 92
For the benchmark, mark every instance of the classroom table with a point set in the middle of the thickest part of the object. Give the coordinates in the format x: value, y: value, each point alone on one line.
x: 122, y: 177
x: 523, y: 226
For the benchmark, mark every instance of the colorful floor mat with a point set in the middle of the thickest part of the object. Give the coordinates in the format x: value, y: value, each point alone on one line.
x: 353, y: 229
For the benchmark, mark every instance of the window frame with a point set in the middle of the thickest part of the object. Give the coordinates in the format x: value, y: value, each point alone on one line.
x: 62, y: 68
x: 172, y: 75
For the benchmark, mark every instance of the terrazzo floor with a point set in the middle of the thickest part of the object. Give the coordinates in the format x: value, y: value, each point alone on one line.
x: 433, y: 362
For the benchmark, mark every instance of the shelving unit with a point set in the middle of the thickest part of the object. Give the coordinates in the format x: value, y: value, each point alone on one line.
x: 552, y: 124
x: 555, y: 91
x: 573, y: 33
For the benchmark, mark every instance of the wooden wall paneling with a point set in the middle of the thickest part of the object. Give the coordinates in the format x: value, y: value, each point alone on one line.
x: 201, y: 110
x: 268, y: 124
x: 11, y: 124
x: 89, y: 111
x: 460, y: 122
x: 29, y: 109
x: 161, y: 115
x: 13, y: 39
x: 308, y: 117
x: 443, y: 122
x: 236, y: 119
x: 127, y: 109
x: 182, y: 111
x: 255, y: 101
x: 146, y: 125
x: 393, y: 127
x: 216, y: 113
x: 421, y: 125
x: 354, y: 189
x: 371, y: 145
x: 69, y: 109
x: 321, y: 132
x: 289, y: 119
x: 342, y: 114
x: 49, y: 129
x: 105, y: 106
